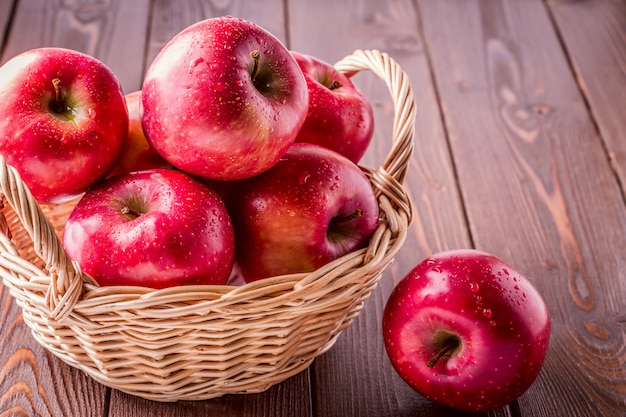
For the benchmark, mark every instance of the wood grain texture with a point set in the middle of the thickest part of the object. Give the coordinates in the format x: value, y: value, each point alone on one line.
x: 292, y: 397
x: 594, y: 35
x: 35, y: 383
x: 357, y: 369
x: 113, y: 31
x: 170, y: 17
x: 520, y: 108
x: 538, y: 190
x: 6, y: 9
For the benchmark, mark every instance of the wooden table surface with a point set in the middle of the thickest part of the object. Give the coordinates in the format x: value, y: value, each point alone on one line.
x: 520, y: 151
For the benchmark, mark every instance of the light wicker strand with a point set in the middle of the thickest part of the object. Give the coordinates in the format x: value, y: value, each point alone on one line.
x: 200, y: 342
x: 66, y: 279
x: 390, y: 175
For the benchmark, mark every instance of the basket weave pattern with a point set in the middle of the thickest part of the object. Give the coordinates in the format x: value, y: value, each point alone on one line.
x: 200, y: 342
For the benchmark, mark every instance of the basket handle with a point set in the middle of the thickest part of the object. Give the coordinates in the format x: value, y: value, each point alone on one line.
x: 67, y: 279
x: 66, y: 285
x: 387, y: 178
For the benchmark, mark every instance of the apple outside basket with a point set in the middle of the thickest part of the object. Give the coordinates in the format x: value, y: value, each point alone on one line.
x: 200, y: 342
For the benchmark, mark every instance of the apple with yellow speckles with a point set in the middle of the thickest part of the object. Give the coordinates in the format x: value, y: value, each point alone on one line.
x: 224, y: 99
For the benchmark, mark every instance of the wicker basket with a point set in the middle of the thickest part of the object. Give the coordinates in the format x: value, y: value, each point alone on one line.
x: 200, y: 342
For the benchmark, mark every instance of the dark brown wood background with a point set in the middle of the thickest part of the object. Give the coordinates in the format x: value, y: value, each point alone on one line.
x: 520, y: 151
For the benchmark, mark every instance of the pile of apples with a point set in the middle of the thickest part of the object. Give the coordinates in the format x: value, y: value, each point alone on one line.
x: 238, y: 158
x: 236, y: 152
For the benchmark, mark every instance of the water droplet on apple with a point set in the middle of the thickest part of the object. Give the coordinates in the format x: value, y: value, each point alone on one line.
x: 430, y: 262
x: 275, y: 117
x: 437, y: 269
x: 487, y: 312
x: 304, y: 177
x: 194, y: 63
x: 219, y: 87
x: 91, y: 113
x: 492, y: 323
x: 474, y: 287
x: 516, y: 287
x: 334, y: 186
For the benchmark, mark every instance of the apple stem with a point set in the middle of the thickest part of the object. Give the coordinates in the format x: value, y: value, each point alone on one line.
x: 58, y: 106
x: 338, y: 221
x: 354, y: 215
x: 131, y: 213
x: 450, y: 345
x: 335, y: 84
x: 255, y: 69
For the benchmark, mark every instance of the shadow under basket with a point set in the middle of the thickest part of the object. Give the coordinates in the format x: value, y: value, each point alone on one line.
x: 200, y: 342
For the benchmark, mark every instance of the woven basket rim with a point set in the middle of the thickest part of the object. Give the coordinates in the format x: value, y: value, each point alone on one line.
x: 60, y: 297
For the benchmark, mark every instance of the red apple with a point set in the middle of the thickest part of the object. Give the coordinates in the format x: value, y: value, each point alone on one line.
x: 466, y: 330
x: 63, y: 120
x: 157, y: 228
x: 137, y: 154
x: 340, y: 117
x: 224, y: 99
x: 310, y: 208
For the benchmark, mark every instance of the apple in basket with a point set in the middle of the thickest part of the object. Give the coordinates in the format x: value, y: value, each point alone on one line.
x: 310, y: 208
x: 340, y: 117
x: 137, y: 154
x: 224, y: 99
x: 156, y: 228
x: 63, y: 120
x: 466, y: 330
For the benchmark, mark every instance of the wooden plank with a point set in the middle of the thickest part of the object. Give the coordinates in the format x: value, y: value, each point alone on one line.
x: 283, y: 400
x: 355, y: 377
x: 538, y: 189
x: 170, y: 17
x: 33, y: 381
x: 594, y: 34
x: 114, y: 32
x: 292, y: 397
x: 6, y: 8
x: 51, y: 387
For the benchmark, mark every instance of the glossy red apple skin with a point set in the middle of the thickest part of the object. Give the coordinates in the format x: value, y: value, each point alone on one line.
x: 496, y: 315
x: 137, y: 154
x: 340, y: 117
x: 204, y: 112
x: 157, y: 228
x: 60, y: 151
x: 284, y: 217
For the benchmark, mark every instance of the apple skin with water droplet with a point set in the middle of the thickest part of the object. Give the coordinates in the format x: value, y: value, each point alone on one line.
x: 312, y: 207
x: 63, y: 121
x: 155, y: 228
x: 466, y: 330
x: 340, y: 117
x: 224, y: 99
